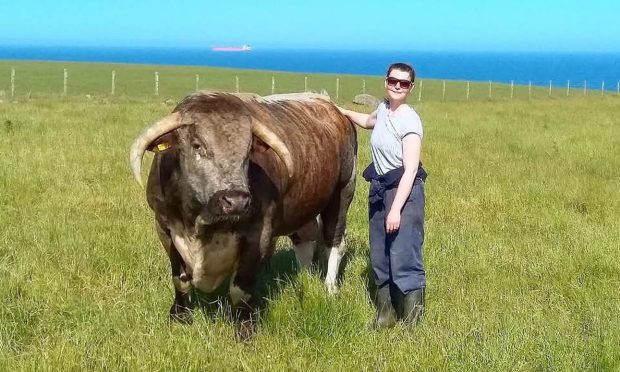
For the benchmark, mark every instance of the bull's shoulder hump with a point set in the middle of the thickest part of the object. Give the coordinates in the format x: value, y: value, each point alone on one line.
x: 306, y: 97
x: 301, y: 97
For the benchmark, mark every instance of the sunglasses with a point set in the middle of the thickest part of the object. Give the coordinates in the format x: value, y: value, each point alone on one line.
x: 404, y: 84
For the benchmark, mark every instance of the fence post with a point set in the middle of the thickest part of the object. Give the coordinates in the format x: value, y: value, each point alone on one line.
x: 512, y: 89
x: 273, y: 84
x: 490, y: 89
x: 237, y: 84
x: 197, y: 82
x: 529, y: 91
x: 12, y: 82
x: 337, y: 88
x: 568, y: 88
x: 603, y: 88
x: 113, y: 82
x: 585, y: 87
x: 443, y: 91
x: 305, y: 83
x: 156, y: 83
x: 549, y: 88
x: 364, y: 86
x: 65, y: 76
x: 468, y: 90
x: 618, y: 88
x: 420, y: 92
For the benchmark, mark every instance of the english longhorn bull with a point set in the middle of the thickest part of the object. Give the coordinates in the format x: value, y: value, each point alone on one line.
x: 232, y: 173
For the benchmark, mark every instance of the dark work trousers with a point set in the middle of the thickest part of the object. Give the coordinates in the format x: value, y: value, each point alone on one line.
x: 397, y: 257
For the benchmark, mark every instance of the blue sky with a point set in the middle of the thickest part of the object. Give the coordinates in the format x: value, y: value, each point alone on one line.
x: 475, y: 25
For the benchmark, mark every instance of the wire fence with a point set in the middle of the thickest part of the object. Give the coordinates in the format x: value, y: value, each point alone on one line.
x: 175, y: 82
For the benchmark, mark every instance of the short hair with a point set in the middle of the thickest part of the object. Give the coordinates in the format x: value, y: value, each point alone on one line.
x: 402, y: 67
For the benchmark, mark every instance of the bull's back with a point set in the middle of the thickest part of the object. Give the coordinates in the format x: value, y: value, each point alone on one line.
x: 322, y: 144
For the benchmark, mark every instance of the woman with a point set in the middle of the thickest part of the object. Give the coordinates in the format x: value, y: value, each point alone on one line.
x: 396, y: 200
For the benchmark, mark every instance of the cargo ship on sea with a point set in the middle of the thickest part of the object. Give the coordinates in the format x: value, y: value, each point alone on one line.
x: 243, y: 48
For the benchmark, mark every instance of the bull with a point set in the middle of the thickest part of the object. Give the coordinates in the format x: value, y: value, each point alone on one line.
x: 231, y: 173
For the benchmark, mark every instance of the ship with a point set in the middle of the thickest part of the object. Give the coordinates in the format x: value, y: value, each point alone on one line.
x: 243, y: 48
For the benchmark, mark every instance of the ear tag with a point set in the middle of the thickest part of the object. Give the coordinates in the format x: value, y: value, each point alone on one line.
x: 163, y: 147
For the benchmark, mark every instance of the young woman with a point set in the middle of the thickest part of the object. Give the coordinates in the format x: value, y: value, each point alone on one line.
x: 396, y: 200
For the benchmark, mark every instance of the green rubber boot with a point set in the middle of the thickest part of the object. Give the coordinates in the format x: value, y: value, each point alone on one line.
x: 413, y: 306
x: 386, y: 315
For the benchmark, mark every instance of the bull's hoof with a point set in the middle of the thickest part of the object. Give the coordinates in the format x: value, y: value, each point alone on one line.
x: 332, y: 287
x: 180, y: 314
x: 246, y: 330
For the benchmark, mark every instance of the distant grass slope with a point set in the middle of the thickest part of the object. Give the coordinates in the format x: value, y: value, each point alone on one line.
x: 41, y: 79
x: 522, y: 250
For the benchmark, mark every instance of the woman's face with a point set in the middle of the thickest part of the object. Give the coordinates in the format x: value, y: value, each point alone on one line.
x: 398, y: 85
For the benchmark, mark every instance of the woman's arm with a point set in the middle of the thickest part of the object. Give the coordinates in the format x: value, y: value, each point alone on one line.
x: 366, y: 121
x: 412, y: 146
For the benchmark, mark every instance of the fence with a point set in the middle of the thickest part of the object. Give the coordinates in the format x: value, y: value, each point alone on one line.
x: 175, y: 82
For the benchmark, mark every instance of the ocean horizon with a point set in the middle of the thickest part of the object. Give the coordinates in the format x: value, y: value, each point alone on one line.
x: 540, y: 68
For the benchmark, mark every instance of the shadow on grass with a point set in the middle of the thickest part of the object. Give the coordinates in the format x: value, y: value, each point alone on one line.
x: 276, y: 273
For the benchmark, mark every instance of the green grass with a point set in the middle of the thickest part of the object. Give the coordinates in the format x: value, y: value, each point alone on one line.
x: 45, y: 79
x: 522, y: 249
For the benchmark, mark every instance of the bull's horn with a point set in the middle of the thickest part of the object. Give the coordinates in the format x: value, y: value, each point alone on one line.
x: 272, y: 140
x: 145, y: 138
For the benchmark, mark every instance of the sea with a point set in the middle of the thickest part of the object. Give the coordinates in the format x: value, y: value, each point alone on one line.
x: 595, y: 70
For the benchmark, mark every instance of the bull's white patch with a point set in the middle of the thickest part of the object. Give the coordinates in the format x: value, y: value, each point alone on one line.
x: 333, y: 263
x: 305, y: 96
x: 181, y: 285
x: 209, y: 263
x: 248, y: 97
x: 238, y: 295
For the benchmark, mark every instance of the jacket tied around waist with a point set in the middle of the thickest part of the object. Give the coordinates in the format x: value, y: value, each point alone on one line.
x: 380, y: 183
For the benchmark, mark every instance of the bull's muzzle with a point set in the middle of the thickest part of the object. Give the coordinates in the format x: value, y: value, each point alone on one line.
x: 230, y: 203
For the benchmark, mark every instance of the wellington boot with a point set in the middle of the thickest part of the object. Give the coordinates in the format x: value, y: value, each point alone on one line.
x: 413, y: 306
x: 386, y: 315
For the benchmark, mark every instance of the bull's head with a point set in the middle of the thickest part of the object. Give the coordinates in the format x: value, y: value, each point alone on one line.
x: 213, y: 148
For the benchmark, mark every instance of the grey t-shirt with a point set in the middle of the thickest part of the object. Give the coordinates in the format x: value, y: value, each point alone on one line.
x: 386, y: 138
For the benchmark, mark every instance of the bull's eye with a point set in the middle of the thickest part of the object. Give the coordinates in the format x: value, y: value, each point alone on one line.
x: 197, y: 146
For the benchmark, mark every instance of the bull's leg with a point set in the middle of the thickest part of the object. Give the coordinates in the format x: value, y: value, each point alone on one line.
x: 180, y: 311
x: 305, y: 242
x: 334, y: 218
x: 242, y: 288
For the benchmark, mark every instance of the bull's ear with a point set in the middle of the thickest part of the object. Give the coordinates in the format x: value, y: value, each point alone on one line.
x: 162, y: 143
x: 258, y: 145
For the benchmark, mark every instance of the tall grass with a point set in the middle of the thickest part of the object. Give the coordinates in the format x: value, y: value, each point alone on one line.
x: 522, y: 250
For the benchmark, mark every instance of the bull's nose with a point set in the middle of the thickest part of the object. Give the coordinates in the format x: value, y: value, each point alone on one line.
x: 233, y: 202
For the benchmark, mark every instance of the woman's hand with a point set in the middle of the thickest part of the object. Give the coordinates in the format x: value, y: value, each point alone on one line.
x: 392, y: 222
x: 366, y: 121
x: 343, y: 110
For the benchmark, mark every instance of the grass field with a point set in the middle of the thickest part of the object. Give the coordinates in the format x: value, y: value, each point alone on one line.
x: 34, y: 80
x: 522, y: 248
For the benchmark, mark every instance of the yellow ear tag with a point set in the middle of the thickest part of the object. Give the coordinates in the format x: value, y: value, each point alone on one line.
x: 163, y: 147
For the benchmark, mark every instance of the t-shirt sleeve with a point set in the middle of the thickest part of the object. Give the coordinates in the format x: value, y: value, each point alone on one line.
x: 380, y: 106
x: 411, y: 123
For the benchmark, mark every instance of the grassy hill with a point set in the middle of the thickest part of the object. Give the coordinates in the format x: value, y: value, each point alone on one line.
x: 522, y: 248
x: 132, y: 81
